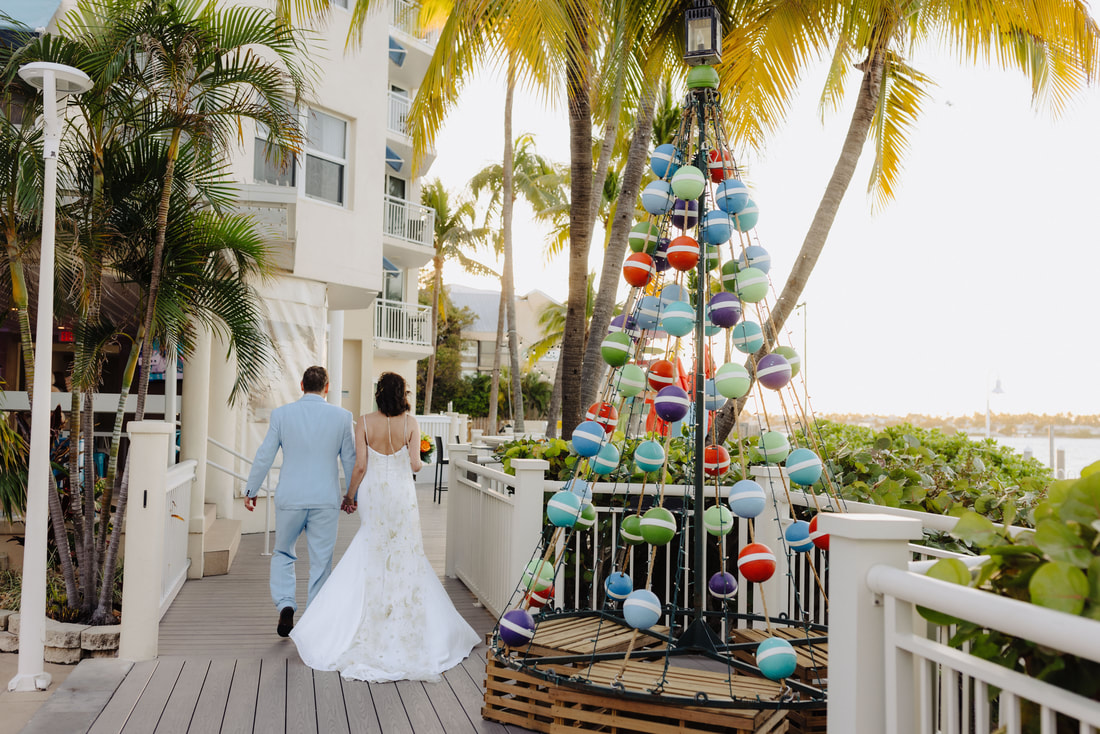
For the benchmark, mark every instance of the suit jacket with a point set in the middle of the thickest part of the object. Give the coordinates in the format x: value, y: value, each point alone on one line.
x: 313, y: 434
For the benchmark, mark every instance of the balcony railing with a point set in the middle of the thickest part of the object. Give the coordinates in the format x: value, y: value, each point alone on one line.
x: 408, y: 221
x: 404, y: 18
x: 398, y: 119
x: 403, y: 323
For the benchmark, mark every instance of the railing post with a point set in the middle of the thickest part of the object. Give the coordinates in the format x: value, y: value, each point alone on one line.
x: 857, y: 619
x: 458, y: 453
x: 143, y: 566
x: 769, y: 528
x: 526, y: 512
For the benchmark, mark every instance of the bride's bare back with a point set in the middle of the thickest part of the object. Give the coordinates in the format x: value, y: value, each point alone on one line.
x: 384, y: 435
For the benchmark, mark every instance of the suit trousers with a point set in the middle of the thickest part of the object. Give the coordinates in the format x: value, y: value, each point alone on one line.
x: 319, y: 525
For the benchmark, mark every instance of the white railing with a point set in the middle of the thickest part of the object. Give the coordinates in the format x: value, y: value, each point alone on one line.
x: 889, y: 675
x: 408, y: 221
x: 177, y: 508
x: 404, y: 19
x: 398, y: 119
x: 266, y: 490
x: 404, y: 323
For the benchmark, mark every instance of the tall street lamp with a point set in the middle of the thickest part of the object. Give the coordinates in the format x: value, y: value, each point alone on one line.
x: 997, y: 390
x: 56, y: 82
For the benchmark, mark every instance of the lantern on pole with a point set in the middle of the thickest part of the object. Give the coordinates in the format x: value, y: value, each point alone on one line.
x: 702, y: 34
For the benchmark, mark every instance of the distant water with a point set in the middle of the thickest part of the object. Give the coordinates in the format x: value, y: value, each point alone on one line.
x: 1080, y: 452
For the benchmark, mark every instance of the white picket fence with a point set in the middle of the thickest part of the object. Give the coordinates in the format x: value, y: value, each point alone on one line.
x: 890, y: 671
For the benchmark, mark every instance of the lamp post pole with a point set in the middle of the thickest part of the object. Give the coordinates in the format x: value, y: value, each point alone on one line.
x: 997, y: 390
x: 52, y: 79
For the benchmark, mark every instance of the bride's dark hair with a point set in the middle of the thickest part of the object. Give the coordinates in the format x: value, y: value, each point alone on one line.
x: 390, y: 395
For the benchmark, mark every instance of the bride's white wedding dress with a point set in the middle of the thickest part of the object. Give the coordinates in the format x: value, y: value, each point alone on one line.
x: 383, y: 615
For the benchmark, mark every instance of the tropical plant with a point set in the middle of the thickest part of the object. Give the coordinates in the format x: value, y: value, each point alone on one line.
x: 454, y: 233
x: 538, y: 181
x: 1053, y: 43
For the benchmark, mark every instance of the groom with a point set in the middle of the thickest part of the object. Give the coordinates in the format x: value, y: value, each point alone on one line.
x: 313, y: 434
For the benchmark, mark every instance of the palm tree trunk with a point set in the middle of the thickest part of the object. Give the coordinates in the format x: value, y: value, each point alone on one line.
x: 21, y: 299
x: 90, y: 563
x: 862, y: 118
x: 109, y: 481
x: 617, y: 245
x: 429, y: 380
x: 75, y: 499
x: 580, y: 232
x: 494, y: 389
x: 610, y: 133
x: 554, y: 408
x: 507, y: 203
x: 110, y: 559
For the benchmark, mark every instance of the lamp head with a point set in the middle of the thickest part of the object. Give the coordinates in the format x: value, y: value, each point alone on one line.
x: 997, y: 389
x: 702, y: 34
x: 67, y: 79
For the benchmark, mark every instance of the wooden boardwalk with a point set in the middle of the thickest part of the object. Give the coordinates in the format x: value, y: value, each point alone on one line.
x: 222, y: 668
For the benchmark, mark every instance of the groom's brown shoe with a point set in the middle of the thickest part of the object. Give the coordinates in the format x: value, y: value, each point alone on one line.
x: 286, y: 621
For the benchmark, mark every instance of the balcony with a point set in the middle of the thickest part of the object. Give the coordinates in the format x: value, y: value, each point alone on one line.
x: 404, y: 18
x: 402, y: 330
x: 408, y: 230
x: 397, y: 122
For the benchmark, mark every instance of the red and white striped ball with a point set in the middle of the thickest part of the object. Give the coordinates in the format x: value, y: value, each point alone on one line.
x: 820, y: 539
x: 683, y: 253
x: 603, y: 413
x: 716, y: 460
x: 719, y: 165
x: 756, y: 562
x: 638, y: 269
x: 539, y: 599
x: 662, y: 373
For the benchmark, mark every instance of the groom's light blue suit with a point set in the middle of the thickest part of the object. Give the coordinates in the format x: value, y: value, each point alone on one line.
x: 313, y: 434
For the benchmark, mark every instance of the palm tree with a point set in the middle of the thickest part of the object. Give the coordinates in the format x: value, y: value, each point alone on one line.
x: 454, y: 234
x: 1054, y: 44
x: 538, y: 181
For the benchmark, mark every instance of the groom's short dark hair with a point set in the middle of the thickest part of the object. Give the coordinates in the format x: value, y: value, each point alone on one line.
x: 314, y: 379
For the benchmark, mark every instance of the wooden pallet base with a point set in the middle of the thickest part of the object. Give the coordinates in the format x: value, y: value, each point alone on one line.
x: 812, y: 669
x: 515, y: 697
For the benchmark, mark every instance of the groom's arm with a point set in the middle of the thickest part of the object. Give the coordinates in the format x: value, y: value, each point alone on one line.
x: 265, y: 457
x: 347, y: 451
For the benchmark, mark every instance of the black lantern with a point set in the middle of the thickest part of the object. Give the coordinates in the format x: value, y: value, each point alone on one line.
x: 703, y: 34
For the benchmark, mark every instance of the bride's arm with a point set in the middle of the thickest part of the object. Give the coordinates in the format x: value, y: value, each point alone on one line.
x: 360, y: 469
x: 412, y: 440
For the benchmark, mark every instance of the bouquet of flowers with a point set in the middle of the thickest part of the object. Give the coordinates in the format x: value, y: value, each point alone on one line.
x: 426, y: 447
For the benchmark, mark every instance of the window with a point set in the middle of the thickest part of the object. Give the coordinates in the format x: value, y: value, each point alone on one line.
x: 340, y: 3
x: 395, y: 187
x: 393, y: 286
x: 326, y: 156
x: 264, y: 168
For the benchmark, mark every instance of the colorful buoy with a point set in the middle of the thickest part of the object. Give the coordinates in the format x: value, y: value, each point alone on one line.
x: 658, y: 526
x: 642, y: 609
x: 563, y: 508
x: 517, y: 627
x: 718, y: 520
x: 776, y: 658
x: 803, y: 467
x: 671, y: 403
x: 773, y: 371
x: 716, y: 460
x: 746, y: 498
x: 615, y: 348
x: 747, y: 337
x: 722, y: 585
x: 638, y: 269
x: 732, y: 380
x: 756, y: 562
x: 649, y: 456
x: 688, y: 182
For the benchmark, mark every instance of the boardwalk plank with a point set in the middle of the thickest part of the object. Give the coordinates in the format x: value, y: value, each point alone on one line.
x: 332, y: 717
x: 447, y: 708
x: 240, y: 708
x: 154, y: 698
x: 387, y: 705
x: 271, y: 697
x: 183, y: 698
x: 418, y: 707
x: 210, y: 710
x: 360, y: 707
x: 471, y: 698
x: 301, y: 703
x: 115, y: 713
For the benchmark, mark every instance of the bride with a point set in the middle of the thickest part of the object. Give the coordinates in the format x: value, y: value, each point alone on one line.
x: 383, y: 614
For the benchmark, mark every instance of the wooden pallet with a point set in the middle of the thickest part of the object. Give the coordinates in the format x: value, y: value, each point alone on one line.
x: 515, y: 697
x: 812, y: 669
x: 588, y: 635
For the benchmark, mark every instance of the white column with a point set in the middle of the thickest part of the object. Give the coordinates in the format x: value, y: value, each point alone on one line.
x: 526, y: 518
x: 857, y: 651
x: 144, y: 567
x: 459, y: 453
x: 170, y: 401
x: 222, y: 427
x: 335, y: 357
x: 194, y: 422
x: 770, y: 528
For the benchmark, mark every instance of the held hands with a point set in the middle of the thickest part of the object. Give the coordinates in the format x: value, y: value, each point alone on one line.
x: 250, y: 503
x: 349, y: 505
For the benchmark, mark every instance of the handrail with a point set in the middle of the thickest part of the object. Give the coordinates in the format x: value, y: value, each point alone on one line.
x: 1065, y: 632
x: 268, y: 491
x: 180, y: 473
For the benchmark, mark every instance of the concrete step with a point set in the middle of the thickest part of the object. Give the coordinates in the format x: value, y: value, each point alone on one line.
x: 221, y: 543
x: 209, y: 515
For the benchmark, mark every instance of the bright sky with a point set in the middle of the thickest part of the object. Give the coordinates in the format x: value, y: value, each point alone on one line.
x: 986, y: 266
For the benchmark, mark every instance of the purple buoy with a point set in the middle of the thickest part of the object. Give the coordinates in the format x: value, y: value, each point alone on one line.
x: 723, y: 585
x: 725, y: 310
x: 660, y: 256
x: 631, y: 325
x: 685, y: 214
x: 517, y: 627
x: 671, y: 403
x: 773, y: 371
